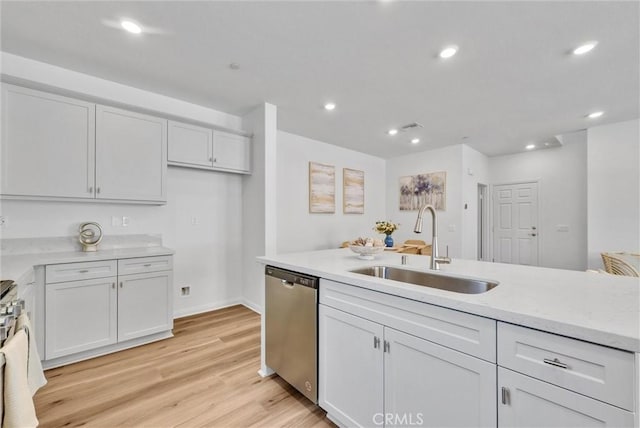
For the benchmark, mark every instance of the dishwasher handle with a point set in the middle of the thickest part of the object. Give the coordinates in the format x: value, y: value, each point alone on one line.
x: 290, y: 279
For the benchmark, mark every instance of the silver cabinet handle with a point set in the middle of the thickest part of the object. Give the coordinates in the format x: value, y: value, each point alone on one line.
x: 97, y: 190
x: 210, y: 159
x: 556, y: 363
x: 505, y: 395
x: 121, y: 285
x: 113, y: 285
x: 215, y: 160
x: 533, y: 227
x: 533, y: 234
x: 376, y: 342
x: 83, y: 271
x: 147, y: 265
x: 387, y: 347
x: 90, y: 189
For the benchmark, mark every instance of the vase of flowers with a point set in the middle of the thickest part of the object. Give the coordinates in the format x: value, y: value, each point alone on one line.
x: 387, y: 228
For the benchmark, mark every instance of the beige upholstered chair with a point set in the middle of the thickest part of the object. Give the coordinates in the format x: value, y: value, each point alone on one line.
x: 615, y: 265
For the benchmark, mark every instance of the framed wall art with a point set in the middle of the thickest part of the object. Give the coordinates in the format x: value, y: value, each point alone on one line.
x: 420, y: 189
x: 352, y: 191
x: 322, y: 188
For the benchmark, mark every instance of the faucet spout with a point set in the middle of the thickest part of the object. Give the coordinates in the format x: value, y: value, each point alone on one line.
x: 435, y: 258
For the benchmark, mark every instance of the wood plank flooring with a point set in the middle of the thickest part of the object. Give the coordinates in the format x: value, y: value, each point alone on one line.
x: 205, y: 376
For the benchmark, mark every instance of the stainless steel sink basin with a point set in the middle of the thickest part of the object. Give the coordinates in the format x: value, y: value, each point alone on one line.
x: 426, y: 279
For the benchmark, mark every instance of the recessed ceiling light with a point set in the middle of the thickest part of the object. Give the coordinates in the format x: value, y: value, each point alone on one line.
x: 530, y: 146
x: 595, y: 114
x: 415, y: 141
x: 583, y: 49
x: 448, y: 52
x: 131, y: 27
x: 329, y: 106
x: 392, y: 131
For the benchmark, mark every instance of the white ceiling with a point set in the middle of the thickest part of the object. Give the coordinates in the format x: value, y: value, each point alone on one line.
x: 512, y: 81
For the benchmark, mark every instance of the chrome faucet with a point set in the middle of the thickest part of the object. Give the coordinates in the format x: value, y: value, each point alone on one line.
x: 436, y: 260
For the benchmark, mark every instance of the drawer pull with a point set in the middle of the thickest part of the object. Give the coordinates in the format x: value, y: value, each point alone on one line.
x: 556, y: 362
x: 83, y: 271
x: 147, y: 265
x: 505, y: 395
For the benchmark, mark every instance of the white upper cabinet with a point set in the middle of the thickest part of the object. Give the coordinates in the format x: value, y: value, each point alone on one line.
x: 131, y: 155
x: 48, y: 145
x: 190, y: 144
x: 231, y: 151
x: 205, y: 148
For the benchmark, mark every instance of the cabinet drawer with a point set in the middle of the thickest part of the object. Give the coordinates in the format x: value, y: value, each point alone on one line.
x: 144, y: 264
x: 596, y: 371
x: 80, y: 271
x: 464, y: 332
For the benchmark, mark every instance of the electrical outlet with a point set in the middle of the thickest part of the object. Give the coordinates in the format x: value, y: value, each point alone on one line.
x: 125, y: 221
x: 185, y: 291
x: 3, y: 221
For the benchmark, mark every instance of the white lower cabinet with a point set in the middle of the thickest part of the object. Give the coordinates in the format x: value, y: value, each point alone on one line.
x: 529, y: 402
x: 80, y: 315
x: 427, y: 385
x: 373, y: 375
x: 351, y: 367
x: 144, y: 304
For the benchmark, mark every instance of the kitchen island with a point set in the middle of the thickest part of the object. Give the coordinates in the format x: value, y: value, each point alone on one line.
x: 561, y: 345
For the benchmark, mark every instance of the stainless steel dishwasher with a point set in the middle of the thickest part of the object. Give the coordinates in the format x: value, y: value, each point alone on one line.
x: 291, y: 318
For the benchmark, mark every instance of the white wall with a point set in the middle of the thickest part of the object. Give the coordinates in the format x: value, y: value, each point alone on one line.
x: 613, y: 189
x: 475, y: 170
x: 207, y: 253
x: 259, y: 218
x: 562, y: 197
x: 447, y: 159
x: 299, y: 230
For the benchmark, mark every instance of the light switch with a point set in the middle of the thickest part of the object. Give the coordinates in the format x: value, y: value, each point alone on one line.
x: 125, y: 221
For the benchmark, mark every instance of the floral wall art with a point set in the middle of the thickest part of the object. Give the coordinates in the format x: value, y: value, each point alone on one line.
x: 322, y: 188
x: 427, y: 188
x: 352, y: 191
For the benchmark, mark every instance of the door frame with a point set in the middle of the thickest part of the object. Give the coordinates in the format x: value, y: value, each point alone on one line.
x: 538, y: 210
x: 484, y: 231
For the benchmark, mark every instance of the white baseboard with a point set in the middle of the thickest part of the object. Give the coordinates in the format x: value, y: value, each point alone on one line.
x: 255, y: 308
x: 194, y: 310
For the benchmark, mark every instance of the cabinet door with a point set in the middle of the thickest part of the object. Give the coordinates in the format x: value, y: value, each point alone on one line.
x: 80, y: 315
x: 144, y: 304
x: 231, y: 151
x: 190, y: 144
x: 131, y: 155
x: 48, y: 144
x: 350, y: 367
x: 432, y: 386
x: 528, y: 402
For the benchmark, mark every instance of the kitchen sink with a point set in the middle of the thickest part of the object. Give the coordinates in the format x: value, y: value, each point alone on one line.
x: 426, y: 279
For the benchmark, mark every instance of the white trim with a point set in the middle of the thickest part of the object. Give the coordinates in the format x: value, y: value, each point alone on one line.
x: 253, y: 306
x: 195, y: 310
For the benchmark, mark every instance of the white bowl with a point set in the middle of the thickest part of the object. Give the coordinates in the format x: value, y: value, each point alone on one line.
x: 366, y: 253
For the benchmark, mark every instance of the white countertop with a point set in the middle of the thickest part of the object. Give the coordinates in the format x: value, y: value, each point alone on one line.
x: 598, y: 308
x: 19, y: 267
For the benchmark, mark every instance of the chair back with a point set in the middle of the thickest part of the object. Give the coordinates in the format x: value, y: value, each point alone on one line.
x: 615, y: 265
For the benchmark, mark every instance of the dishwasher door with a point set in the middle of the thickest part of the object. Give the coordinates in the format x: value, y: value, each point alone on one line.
x: 291, y: 328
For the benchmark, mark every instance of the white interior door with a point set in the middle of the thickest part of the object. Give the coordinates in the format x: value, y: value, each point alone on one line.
x: 515, y: 223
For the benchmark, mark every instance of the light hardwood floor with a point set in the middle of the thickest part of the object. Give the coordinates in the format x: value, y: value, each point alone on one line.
x: 206, y: 375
